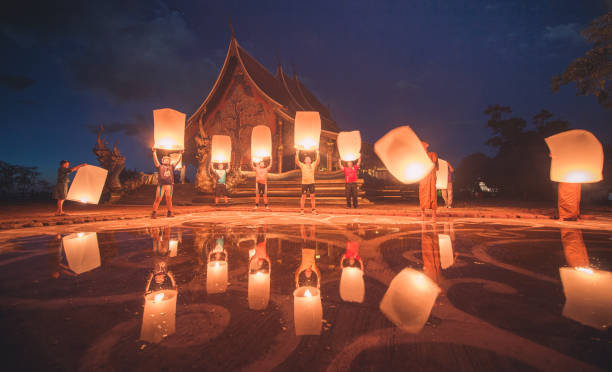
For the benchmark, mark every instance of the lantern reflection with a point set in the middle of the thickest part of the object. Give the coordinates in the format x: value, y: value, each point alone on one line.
x: 352, y: 286
x: 403, y: 155
x: 259, y: 275
x: 447, y: 258
x: 261, y: 143
x: 307, y: 311
x: 159, y: 316
x: 87, y: 184
x: 577, y: 157
x: 82, y: 251
x: 221, y: 149
x: 216, y: 269
x: 307, y: 130
x: 409, y: 300
x: 349, y: 145
x: 169, y: 129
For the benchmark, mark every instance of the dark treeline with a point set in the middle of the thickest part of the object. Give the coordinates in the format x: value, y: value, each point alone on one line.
x: 19, y: 180
x: 521, y: 167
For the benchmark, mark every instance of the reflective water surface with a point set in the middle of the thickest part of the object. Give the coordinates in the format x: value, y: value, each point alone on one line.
x: 446, y: 296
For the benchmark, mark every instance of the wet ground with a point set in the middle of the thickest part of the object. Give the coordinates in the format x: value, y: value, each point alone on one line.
x: 198, y: 294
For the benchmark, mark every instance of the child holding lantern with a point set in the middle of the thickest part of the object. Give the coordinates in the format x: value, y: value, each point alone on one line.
x: 221, y: 176
x: 350, y: 179
x: 308, y: 179
x: 261, y: 182
x: 60, y: 191
x: 165, y: 183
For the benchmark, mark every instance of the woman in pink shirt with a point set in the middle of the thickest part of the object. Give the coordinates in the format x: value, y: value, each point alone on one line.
x: 261, y: 182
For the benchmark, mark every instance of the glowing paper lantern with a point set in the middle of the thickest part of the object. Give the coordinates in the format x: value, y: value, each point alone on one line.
x: 409, y: 300
x: 216, y: 277
x: 221, y: 149
x: 402, y: 153
x: 82, y: 251
x: 307, y: 130
x: 352, y: 286
x: 172, y: 247
x: 261, y: 143
x: 87, y: 184
x: 259, y: 290
x: 169, y: 129
x: 577, y: 157
x: 159, y: 316
x: 349, y: 145
x: 307, y: 311
x: 442, y: 175
x: 588, y: 296
x: 447, y: 259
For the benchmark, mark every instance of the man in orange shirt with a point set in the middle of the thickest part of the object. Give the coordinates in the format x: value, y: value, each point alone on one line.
x: 261, y: 182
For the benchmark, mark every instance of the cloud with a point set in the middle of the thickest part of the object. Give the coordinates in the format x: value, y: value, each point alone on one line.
x: 140, y: 126
x: 565, y: 33
x: 15, y: 82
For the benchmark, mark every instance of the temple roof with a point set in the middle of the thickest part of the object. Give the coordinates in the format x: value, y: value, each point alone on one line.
x: 288, y: 93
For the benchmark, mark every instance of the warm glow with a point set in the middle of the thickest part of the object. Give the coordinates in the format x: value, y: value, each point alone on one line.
x: 307, y: 130
x: 588, y: 298
x: 216, y: 277
x: 307, y: 311
x: 585, y: 270
x: 216, y: 264
x: 261, y: 143
x: 88, y: 184
x: 403, y: 155
x: 442, y: 175
x: 159, y: 297
x: 221, y: 149
x: 169, y: 129
x: 80, y: 235
x: 159, y: 315
x: 349, y: 145
x: 307, y: 293
x: 82, y: 251
x: 447, y: 258
x: 576, y: 157
x: 352, y: 285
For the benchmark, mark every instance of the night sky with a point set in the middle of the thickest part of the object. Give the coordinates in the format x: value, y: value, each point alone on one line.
x: 434, y: 65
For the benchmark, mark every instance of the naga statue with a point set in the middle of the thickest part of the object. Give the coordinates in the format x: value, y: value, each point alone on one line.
x: 111, y: 160
x: 203, y: 180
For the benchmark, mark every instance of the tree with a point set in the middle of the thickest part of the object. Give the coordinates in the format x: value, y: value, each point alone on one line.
x: 547, y: 127
x: 506, y: 132
x: 592, y: 72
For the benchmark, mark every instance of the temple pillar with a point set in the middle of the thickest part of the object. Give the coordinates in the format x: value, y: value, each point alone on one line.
x: 280, y: 146
x: 330, y: 154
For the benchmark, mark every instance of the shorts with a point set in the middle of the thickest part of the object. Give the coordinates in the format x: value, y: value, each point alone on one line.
x: 60, y: 191
x: 261, y: 188
x: 163, y: 190
x: 220, y: 190
x: 308, y: 189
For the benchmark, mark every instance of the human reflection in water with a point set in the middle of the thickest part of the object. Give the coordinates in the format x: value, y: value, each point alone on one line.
x: 161, y: 291
x: 259, y: 273
x: 161, y: 239
x: 217, y: 268
x: 574, y: 248
x: 430, y: 251
x: 160, y: 277
x: 308, y: 274
x: 56, y: 264
x: 352, y: 286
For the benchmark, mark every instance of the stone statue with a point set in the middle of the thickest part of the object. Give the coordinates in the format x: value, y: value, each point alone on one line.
x: 203, y: 180
x: 111, y: 160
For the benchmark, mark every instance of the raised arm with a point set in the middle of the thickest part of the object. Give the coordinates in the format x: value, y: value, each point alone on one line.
x: 77, y: 167
x: 340, y: 164
x: 297, y: 157
x: 178, y: 160
x: 359, y: 162
x: 155, y: 160
x: 318, y: 159
x: 270, y: 165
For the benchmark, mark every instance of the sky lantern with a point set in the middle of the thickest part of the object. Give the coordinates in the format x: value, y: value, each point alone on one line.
x: 409, y: 300
x: 307, y: 130
x: 259, y: 290
x: 261, y: 143
x: 402, y: 153
x: 82, y: 251
x: 221, y: 149
x: 169, y: 129
x: 349, y: 145
x: 447, y: 259
x: 588, y: 298
x: 442, y: 175
x: 577, y: 157
x: 307, y: 311
x: 159, y: 316
x: 352, y: 286
x: 88, y: 184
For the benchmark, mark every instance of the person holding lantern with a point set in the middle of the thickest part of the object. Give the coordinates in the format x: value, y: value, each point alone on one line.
x: 165, y: 183
x: 220, y: 174
x: 350, y: 179
x: 428, y: 197
x: 261, y: 182
x: 60, y: 191
x: 308, y: 179
x: 568, y: 201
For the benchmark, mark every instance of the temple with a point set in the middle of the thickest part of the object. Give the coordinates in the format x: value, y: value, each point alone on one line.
x: 246, y: 94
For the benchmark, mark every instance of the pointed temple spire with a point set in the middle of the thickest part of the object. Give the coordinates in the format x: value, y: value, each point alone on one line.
x: 229, y: 22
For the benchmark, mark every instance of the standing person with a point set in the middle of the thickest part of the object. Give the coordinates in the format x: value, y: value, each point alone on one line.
x: 350, y: 179
x: 428, y: 197
x: 261, y: 182
x: 308, y: 179
x: 568, y: 201
x: 60, y: 191
x: 221, y: 177
x: 447, y: 193
x: 165, y: 182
